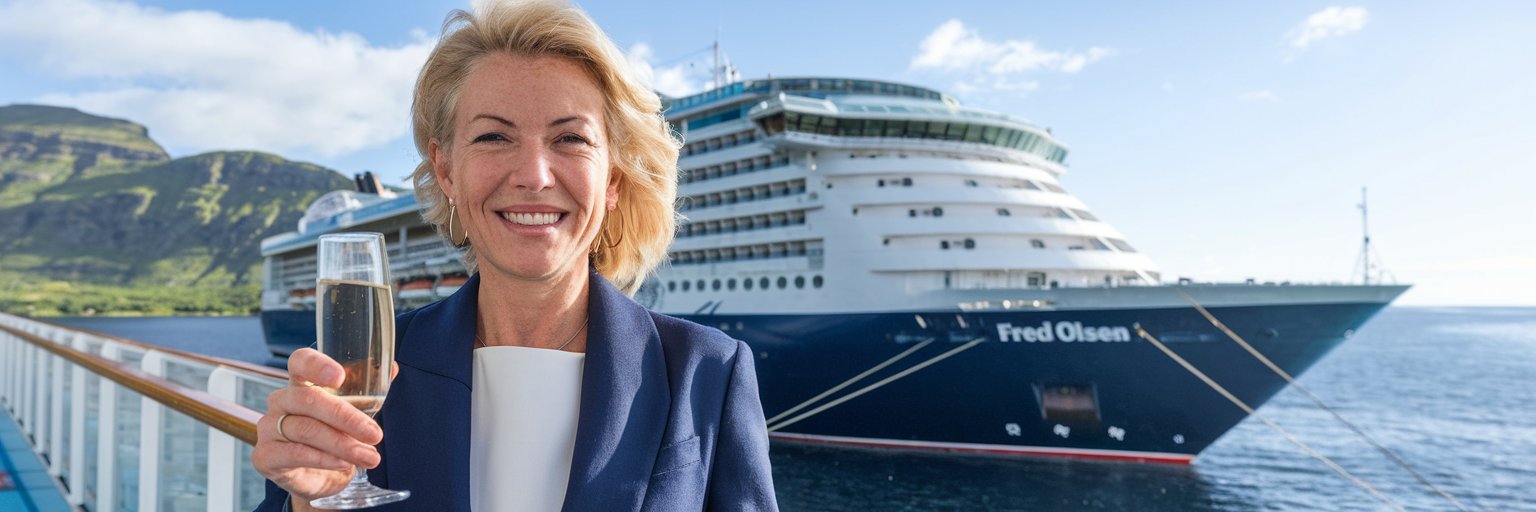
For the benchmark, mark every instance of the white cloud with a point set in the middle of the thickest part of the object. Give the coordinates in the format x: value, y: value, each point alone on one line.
x: 1330, y: 22
x: 1259, y: 95
x: 680, y: 79
x: 203, y: 81
x: 994, y: 65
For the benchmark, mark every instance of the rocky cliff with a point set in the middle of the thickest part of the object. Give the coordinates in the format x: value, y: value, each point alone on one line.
x: 87, y: 199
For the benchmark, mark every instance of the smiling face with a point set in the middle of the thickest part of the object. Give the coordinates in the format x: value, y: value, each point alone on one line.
x: 528, y: 166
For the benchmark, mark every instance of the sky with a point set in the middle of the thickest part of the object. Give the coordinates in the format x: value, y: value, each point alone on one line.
x: 1226, y: 140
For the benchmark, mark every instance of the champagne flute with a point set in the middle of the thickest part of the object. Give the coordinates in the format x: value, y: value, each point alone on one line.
x: 355, y: 321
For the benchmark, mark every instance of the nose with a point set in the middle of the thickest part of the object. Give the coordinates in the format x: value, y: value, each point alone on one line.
x: 534, y: 170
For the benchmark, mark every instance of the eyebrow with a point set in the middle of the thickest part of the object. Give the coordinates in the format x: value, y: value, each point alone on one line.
x: 509, y: 123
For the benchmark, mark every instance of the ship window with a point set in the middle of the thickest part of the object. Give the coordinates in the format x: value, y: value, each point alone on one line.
x: 731, y: 284
x: 686, y: 285
x: 1037, y: 243
x: 671, y: 286
x: 938, y: 212
x: 881, y: 183
x: 783, y: 282
x: 906, y: 182
x: 943, y: 244
x: 746, y: 283
x: 716, y: 284
x: 1036, y: 279
x: 970, y: 183
x: 1074, y: 405
x: 799, y: 282
x: 700, y: 284
x: 970, y: 243
x: 1003, y: 212
x: 816, y: 281
x: 762, y: 283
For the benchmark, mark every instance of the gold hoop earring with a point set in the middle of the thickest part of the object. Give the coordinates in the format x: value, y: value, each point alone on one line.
x: 458, y: 237
x: 620, y: 221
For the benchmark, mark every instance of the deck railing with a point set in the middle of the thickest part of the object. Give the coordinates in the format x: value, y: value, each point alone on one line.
x: 127, y: 426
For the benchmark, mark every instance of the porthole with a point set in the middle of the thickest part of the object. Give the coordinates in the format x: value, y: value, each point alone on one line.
x: 906, y: 182
x: 911, y: 213
x: 700, y: 284
x: 943, y: 244
x: 762, y: 283
x: 671, y: 286
x: 716, y: 286
x: 686, y: 285
x: 816, y: 281
x: 731, y: 284
x: 970, y: 243
x: 938, y: 212
x: 746, y: 283
x: 799, y: 282
x: 783, y: 282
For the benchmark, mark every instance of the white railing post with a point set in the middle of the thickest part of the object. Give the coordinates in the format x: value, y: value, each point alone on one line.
x: 150, y: 423
x: 7, y: 363
x: 41, y: 412
x: 223, y: 449
x: 77, y: 439
x: 56, y: 423
x: 24, y: 414
x: 106, y: 444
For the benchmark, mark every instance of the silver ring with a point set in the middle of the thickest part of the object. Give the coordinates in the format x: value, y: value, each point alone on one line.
x: 280, y: 428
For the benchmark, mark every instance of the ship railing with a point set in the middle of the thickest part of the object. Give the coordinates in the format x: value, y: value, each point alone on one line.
x: 909, y: 144
x: 122, y: 425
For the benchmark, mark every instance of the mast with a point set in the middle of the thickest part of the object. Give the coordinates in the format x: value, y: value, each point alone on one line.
x: 1365, y: 240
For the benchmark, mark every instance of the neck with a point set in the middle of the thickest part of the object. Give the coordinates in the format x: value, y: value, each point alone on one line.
x: 533, y: 313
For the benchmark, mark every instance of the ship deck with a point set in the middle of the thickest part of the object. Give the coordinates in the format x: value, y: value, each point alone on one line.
x: 34, y: 490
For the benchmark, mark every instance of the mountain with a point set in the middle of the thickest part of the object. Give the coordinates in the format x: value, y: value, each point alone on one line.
x: 94, y: 202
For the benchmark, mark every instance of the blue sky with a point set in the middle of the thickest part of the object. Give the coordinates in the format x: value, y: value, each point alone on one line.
x: 1227, y: 140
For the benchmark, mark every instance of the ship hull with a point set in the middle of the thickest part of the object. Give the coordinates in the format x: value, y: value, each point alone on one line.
x: 1005, y: 394
x: 1133, y: 403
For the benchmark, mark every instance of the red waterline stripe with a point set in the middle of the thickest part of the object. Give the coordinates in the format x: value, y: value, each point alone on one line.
x: 988, y: 449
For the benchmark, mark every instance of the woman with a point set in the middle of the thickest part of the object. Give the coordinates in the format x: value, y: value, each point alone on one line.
x: 539, y: 384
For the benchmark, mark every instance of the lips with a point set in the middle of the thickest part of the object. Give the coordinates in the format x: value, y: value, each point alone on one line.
x: 532, y: 219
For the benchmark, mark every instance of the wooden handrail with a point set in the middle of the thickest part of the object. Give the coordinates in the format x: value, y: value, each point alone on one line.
x: 226, y: 416
x: 207, y: 359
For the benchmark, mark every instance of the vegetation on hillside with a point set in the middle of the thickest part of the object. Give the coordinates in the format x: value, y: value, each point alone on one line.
x: 95, y: 218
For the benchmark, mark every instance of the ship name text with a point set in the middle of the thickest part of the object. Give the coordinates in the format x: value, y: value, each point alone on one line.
x: 1065, y: 332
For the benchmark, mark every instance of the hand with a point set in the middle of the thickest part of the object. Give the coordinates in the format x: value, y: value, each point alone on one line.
x: 326, y: 437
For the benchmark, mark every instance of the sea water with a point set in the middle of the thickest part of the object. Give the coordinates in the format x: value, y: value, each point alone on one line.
x: 1451, y: 390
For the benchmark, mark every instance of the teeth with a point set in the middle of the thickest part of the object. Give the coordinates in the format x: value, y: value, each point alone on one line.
x: 531, y: 219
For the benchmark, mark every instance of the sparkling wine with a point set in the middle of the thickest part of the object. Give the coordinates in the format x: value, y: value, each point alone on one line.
x: 357, y: 329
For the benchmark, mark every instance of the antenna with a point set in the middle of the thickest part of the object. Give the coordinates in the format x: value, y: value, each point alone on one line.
x: 1368, y: 264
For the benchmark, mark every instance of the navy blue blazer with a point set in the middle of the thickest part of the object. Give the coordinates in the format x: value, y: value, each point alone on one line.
x: 669, y: 420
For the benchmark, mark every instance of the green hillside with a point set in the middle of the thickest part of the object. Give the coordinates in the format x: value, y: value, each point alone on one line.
x: 95, y: 218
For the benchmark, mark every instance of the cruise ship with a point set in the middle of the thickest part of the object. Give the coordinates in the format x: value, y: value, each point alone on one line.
x: 911, y: 274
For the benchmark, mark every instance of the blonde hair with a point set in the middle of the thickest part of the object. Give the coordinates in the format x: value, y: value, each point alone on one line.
x: 642, y: 148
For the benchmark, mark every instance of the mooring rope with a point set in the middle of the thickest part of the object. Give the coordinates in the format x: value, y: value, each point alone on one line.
x: 1319, y: 401
x: 1251, y: 412
x: 877, y: 385
x: 850, y: 381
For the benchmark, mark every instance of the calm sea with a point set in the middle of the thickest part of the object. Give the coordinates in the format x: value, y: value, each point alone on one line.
x: 1451, y: 390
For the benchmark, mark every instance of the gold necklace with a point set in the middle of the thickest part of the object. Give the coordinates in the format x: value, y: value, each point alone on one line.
x: 480, y: 342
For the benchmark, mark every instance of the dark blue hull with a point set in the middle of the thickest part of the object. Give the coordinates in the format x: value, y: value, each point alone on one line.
x: 1029, y: 391
x: 1077, y: 383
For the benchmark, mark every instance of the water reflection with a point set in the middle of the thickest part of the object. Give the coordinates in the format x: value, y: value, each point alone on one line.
x: 817, y: 478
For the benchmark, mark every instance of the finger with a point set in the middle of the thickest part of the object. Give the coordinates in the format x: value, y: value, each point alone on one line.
x: 309, y: 366
x: 326, y: 408
x: 276, y: 459
x: 309, y: 431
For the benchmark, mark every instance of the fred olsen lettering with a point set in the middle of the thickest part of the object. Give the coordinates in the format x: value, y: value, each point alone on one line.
x: 1065, y: 332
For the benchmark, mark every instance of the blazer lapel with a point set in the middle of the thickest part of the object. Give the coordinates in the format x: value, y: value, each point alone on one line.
x: 625, y: 401
x: 428, y: 446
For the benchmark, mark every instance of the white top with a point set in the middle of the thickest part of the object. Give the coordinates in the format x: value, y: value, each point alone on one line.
x: 522, y: 427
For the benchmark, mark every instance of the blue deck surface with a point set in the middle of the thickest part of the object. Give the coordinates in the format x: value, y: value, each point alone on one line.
x: 35, y: 491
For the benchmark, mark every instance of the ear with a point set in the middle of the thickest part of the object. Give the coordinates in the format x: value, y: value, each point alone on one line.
x: 440, y: 166
x: 613, y: 189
